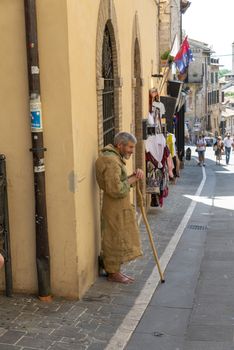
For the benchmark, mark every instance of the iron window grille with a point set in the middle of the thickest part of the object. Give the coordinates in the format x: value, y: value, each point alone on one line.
x: 108, y: 91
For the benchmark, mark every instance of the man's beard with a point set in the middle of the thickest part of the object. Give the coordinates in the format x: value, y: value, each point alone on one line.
x: 127, y: 156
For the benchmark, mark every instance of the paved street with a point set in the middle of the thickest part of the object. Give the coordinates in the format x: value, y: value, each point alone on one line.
x: 193, y: 310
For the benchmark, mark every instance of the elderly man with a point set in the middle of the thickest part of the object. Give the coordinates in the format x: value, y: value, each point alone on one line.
x: 120, y: 234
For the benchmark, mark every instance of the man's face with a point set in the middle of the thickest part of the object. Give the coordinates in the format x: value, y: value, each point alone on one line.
x: 126, y: 150
x: 153, y: 93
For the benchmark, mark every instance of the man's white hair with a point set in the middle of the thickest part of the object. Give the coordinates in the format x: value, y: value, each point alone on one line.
x: 124, y: 137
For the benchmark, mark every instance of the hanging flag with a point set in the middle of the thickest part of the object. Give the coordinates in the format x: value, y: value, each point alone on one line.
x: 183, y: 57
x: 175, y: 46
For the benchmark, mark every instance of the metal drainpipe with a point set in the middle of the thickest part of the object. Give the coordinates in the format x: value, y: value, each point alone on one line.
x: 42, y: 242
x: 157, y: 3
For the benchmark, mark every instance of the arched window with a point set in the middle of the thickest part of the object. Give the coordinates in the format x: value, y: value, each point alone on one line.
x: 108, y: 91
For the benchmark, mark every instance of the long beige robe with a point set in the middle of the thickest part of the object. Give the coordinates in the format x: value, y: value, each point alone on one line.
x: 120, y: 234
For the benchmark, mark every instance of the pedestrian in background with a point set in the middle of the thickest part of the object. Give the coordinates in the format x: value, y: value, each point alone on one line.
x: 228, y: 142
x: 120, y: 233
x: 218, y: 148
x: 201, y: 148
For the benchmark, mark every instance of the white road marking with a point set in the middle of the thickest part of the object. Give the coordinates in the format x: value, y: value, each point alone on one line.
x: 130, y: 322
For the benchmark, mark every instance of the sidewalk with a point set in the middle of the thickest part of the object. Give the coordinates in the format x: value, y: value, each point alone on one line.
x: 90, y: 323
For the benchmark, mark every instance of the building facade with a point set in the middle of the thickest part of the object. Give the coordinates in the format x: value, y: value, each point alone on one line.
x: 203, y: 103
x: 95, y: 67
x: 170, y: 39
x: 227, y: 87
x: 228, y: 120
x: 197, y: 84
x: 170, y: 23
x: 214, y: 98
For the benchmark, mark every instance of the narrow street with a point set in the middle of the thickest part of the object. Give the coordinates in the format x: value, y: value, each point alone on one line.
x: 100, y: 99
x: 193, y: 310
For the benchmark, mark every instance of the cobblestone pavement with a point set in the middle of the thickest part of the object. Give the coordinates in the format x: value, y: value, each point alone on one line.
x: 26, y: 323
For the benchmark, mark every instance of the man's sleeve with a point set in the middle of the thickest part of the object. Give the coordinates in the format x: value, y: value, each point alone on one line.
x: 114, y: 187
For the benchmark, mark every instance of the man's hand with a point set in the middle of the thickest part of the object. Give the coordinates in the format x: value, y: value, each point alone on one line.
x: 139, y: 174
x: 132, y: 179
x: 136, y: 176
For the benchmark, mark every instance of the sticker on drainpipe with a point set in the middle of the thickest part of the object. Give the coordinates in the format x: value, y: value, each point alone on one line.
x: 36, y: 117
x: 35, y: 70
x: 39, y: 169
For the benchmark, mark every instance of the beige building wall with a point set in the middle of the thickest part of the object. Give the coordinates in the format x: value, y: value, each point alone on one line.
x: 67, y: 31
x: 84, y: 104
x: 170, y: 23
x: 214, y: 109
x: 15, y: 142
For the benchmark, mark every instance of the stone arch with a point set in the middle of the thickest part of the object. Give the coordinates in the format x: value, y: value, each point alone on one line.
x: 107, y: 18
x: 137, y: 99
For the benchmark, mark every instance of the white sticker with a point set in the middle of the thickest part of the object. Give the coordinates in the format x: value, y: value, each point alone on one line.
x: 35, y: 70
x: 39, y: 169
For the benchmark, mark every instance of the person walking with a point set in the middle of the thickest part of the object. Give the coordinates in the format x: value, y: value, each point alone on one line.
x: 201, y: 148
x: 228, y: 142
x: 120, y: 233
x: 218, y: 148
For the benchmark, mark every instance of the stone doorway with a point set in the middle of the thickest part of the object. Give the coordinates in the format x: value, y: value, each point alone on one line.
x: 109, y: 81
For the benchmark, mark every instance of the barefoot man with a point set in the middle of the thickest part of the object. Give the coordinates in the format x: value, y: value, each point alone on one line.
x: 120, y: 234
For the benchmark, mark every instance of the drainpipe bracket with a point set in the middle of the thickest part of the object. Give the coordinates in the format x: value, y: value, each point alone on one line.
x: 100, y: 84
x: 133, y: 82
x: 118, y: 82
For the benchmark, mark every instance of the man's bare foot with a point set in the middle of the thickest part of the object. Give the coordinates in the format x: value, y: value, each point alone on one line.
x: 118, y: 277
x: 129, y: 277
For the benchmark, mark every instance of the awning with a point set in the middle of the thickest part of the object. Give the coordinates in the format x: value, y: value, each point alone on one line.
x: 170, y: 107
x: 184, y: 5
x: 175, y: 89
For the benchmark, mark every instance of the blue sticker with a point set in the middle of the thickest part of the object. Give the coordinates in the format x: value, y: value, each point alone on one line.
x: 36, y: 120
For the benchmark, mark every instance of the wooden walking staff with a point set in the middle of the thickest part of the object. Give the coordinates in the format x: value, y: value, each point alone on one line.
x: 149, y: 232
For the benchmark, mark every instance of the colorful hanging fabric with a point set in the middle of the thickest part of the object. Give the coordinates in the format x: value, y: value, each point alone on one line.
x: 184, y: 57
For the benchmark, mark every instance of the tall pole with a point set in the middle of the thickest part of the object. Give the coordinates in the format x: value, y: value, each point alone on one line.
x: 42, y: 242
